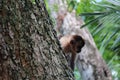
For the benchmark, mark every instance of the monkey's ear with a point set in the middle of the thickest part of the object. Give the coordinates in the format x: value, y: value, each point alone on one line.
x: 72, y: 42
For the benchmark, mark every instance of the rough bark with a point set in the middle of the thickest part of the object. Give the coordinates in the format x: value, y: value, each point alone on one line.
x: 29, y: 49
x: 89, y: 62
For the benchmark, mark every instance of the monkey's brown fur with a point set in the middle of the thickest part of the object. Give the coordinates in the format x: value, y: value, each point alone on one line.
x: 72, y: 44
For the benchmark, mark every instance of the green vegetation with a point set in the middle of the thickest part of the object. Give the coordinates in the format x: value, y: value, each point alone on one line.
x: 103, y: 19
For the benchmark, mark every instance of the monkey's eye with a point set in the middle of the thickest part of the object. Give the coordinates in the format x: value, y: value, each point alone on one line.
x: 72, y: 42
x: 78, y: 47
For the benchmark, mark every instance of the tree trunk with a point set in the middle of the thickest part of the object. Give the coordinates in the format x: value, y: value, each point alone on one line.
x: 29, y: 49
x: 89, y: 62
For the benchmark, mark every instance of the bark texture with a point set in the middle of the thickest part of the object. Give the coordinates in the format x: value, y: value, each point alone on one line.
x: 29, y: 49
x: 89, y: 62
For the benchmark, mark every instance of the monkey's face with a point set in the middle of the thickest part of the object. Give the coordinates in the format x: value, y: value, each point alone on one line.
x: 78, y: 47
x: 77, y: 43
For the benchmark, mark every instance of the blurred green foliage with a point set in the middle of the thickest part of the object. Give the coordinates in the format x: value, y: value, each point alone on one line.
x: 103, y: 19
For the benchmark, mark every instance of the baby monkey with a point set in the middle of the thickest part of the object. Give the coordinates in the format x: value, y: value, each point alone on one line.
x: 72, y: 44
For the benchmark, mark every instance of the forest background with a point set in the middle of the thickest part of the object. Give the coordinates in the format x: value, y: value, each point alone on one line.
x: 102, y: 17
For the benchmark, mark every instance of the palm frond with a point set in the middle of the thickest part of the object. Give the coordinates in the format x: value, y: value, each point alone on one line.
x: 104, y: 25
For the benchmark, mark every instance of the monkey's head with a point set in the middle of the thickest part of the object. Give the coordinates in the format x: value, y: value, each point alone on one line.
x: 72, y: 43
x: 77, y: 43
